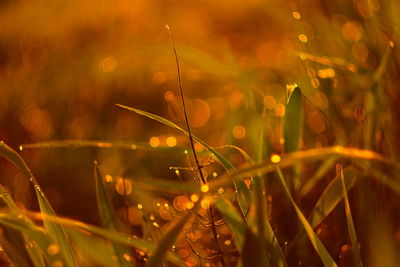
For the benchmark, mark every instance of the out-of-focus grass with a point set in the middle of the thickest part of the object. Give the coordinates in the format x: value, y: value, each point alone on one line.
x: 276, y: 197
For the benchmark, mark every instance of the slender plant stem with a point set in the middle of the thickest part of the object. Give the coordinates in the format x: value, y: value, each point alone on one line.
x: 202, y: 178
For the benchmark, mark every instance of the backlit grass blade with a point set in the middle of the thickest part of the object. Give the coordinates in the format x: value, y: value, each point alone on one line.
x: 252, y: 253
x: 33, y: 251
x: 94, y: 249
x: 125, y: 239
x: 162, y: 185
x: 55, y: 231
x: 350, y: 224
x: 268, y: 242
x: 330, y: 198
x: 293, y: 128
x: 167, y: 241
x: 293, y: 158
x: 13, y: 247
x: 99, y: 144
x: 241, y: 188
x: 13, y: 221
x: 109, y: 218
x: 317, y: 244
x: 322, y: 170
x: 233, y: 218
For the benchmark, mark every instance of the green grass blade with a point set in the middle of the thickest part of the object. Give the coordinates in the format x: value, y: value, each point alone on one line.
x: 330, y: 198
x: 317, y: 244
x: 14, y: 221
x: 233, y: 219
x: 323, y: 169
x: 12, y: 243
x: 162, y: 185
x: 137, y: 243
x: 293, y: 120
x: 243, y: 192
x: 93, y: 248
x: 167, y: 241
x: 109, y: 218
x: 350, y: 223
x: 253, y: 254
x: 55, y: 231
x: 33, y: 251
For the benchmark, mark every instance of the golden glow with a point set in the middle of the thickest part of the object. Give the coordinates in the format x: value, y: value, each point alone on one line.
x: 352, y: 31
x: 269, y: 102
x: 140, y: 206
x: 326, y: 73
x: 171, y: 141
x: 123, y: 186
x: 194, y: 197
x: 108, y: 178
x: 239, y: 131
x: 296, y: 15
x: 180, y: 203
x: 108, y: 64
x: 159, y: 77
x: 275, y: 158
x: 154, y: 141
x: 303, y: 38
x: 204, y: 188
x: 53, y: 249
x: 280, y: 110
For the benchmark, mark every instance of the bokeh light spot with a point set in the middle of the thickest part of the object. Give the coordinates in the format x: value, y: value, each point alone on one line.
x: 239, y: 131
x: 109, y: 64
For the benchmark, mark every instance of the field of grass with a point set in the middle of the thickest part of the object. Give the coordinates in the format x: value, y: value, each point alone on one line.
x: 247, y: 133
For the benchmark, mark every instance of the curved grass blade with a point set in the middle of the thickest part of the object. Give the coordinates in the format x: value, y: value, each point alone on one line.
x: 94, y: 248
x: 99, y: 144
x: 319, y: 174
x: 241, y: 188
x: 317, y: 244
x: 167, y: 241
x: 55, y: 231
x: 137, y: 243
x: 14, y: 221
x: 33, y: 251
x: 109, y: 218
x: 330, y: 198
x: 350, y: 223
x: 233, y: 219
x: 13, y: 247
x: 293, y: 158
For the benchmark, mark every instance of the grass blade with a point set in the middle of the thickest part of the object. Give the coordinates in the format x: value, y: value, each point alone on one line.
x: 293, y: 158
x: 241, y: 188
x: 330, y: 198
x: 317, y: 244
x: 137, y: 243
x: 293, y: 120
x: 99, y: 144
x: 94, y: 249
x: 167, y: 241
x: 55, y: 231
x: 13, y: 221
x: 319, y: 174
x: 350, y: 223
x: 33, y: 251
x: 109, y: 218
x: 252, y: 254
x: 233, y: 219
